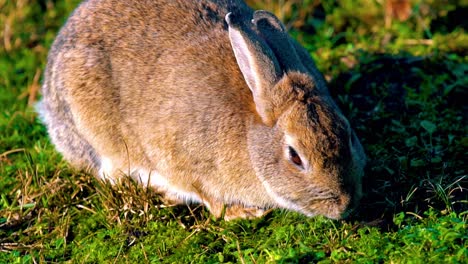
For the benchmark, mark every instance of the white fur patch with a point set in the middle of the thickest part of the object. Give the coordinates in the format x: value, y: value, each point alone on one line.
x: 154, y: 179
x: 106, y: 169
x: 149, y: 178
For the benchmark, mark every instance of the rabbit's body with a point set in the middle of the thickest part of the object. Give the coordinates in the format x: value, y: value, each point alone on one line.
x: 153, y: 89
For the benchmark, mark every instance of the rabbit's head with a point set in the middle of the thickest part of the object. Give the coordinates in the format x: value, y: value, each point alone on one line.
x: 301, y: 146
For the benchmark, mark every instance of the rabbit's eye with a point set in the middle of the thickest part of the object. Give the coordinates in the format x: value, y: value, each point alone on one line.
x: 294, y: 157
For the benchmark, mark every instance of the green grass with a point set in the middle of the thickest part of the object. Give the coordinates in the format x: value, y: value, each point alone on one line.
x: 403, y: 87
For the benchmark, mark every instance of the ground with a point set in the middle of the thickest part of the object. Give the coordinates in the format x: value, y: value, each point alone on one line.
x: 397, y: 70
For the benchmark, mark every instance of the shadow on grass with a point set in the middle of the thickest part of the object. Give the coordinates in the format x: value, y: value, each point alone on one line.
x: 410, y: 114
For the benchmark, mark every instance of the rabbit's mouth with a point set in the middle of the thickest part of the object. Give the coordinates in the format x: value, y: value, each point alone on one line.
x: 336, y: 207
x: 339, y: 207
x: 333, y: 206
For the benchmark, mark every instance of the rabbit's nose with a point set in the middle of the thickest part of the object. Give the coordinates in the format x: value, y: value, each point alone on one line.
x: 338, y: 206
x: 349, y: 200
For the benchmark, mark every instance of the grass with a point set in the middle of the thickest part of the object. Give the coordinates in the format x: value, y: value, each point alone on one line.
x: 403, y: 86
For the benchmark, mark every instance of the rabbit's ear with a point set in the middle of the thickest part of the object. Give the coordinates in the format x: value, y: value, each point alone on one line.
x: 309, y: 64
x: 274, y: 33
x: 257, y: 63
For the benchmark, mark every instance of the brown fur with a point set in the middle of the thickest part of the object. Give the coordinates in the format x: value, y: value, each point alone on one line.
x: 154, y: 86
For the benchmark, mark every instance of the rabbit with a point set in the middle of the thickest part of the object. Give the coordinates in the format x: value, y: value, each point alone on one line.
x: 205, y: 101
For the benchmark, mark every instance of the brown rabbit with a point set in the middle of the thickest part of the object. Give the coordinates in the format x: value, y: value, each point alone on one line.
x: 206, y: 101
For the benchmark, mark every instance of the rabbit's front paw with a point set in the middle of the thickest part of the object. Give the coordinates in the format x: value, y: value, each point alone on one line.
x: 233, y: 211
x: 240, y: 212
